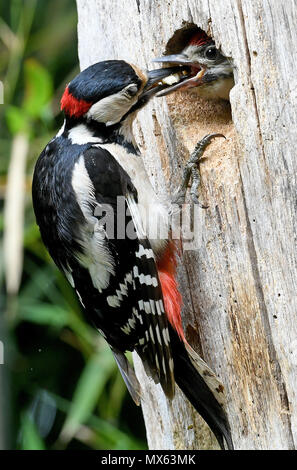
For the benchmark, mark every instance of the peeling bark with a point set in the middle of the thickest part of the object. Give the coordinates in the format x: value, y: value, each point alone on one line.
x: 239, y: 286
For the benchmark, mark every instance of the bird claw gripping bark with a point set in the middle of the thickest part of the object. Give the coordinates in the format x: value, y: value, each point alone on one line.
x: 192, y: 169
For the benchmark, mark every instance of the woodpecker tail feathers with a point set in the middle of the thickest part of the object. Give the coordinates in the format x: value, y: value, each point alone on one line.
x: 202, y: 388
x: 192, y: 375
x: 128, y: 375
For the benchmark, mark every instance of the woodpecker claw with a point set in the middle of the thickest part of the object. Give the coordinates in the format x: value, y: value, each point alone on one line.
x: 192, y: 169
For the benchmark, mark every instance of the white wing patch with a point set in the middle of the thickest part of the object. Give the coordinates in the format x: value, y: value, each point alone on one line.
x: 134, y: 211
x: 96, y: 256
x: 132, y: 322
x: 115, y: 300
x: 147, y: 252
x: 145, y: 279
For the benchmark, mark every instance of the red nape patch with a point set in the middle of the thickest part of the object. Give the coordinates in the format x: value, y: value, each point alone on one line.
x: 199, y: 39
x: 172, y: 298
x: 73, y: 107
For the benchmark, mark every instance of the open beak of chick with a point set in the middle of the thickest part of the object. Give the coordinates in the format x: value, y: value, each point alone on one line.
x: 183, y: 74
x: 187, y: 74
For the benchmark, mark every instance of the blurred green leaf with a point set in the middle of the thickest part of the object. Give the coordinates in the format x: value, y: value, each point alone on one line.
x: 103, y: 434
x: 30, y: 439
x: 111, y: 406
x: 39, y: 88
x: 17, y: 120
x: 41, y: 284
x: 108, y: 436
x: 44, y: 314
x: 88, y: 391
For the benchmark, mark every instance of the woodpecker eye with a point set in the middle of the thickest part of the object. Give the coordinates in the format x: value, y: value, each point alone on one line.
x: 211, y: 53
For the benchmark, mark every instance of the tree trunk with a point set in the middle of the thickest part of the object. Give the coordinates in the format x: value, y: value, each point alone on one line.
x: 239, y: 284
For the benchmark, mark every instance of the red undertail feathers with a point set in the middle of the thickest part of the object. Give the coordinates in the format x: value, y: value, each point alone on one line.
x: 172, y: 297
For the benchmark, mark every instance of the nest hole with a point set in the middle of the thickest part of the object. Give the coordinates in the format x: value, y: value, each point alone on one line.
x: 194, y: 116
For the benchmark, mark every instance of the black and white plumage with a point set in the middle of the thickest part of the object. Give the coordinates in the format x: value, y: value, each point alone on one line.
x: 116, y: 280
x: 92, y: 162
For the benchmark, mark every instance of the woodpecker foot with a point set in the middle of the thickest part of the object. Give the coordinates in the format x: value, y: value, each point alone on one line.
x: 192, y: 169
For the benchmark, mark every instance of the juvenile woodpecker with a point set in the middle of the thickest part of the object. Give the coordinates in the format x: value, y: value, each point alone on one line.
x: 126, y: 284
x: 210, y: 73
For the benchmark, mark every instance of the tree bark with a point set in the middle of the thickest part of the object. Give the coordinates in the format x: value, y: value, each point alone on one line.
x: 239, y: 284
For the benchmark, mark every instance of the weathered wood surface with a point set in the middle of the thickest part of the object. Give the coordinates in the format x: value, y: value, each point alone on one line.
x: 239, y: 286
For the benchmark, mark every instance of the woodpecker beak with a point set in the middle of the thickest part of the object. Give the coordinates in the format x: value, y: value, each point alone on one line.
x: 191, y: 76
x: 158, y: 79
x: 178, y: 59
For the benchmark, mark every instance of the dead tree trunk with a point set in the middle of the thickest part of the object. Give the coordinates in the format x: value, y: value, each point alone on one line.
x: 239, y: 285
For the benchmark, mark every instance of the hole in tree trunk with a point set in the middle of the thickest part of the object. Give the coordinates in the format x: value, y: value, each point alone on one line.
x: 194, y: 116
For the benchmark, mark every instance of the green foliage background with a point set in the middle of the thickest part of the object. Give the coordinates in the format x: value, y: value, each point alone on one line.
x: 59, y: 385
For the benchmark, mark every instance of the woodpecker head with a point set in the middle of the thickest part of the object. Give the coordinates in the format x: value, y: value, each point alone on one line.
x: 208, y: 72
x: 108, y: 92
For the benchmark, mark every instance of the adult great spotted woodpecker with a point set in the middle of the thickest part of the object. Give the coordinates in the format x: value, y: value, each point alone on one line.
x: 126, y: 285
x: 211, y: 73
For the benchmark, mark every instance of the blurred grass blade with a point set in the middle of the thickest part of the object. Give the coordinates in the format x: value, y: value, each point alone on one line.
x: 43, y: 314
x: 30, y: 439
x: 22, y: 16
x: 89, y: 388
x: 99, y: 434
x: 14, y: 213
x: 7, y: 36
